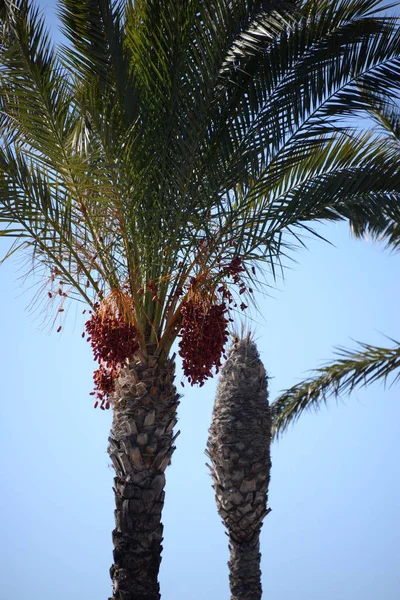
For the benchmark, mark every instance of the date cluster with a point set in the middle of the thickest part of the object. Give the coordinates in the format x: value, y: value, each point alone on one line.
x: 204, y: 333
x: 113, y: 340
x: 204, y: 325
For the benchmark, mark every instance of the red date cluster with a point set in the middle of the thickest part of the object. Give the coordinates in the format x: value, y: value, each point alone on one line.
x: 205, y: 320
x: 204, y: 333
x: 112, y: 340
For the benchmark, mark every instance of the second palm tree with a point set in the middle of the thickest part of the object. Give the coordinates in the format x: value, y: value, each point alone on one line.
x: 239, y: 448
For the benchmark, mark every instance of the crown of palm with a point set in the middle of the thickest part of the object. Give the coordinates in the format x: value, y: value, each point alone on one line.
x: 171, y: 139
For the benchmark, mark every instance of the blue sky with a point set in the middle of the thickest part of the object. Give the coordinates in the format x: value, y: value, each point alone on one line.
x: 333, y: 531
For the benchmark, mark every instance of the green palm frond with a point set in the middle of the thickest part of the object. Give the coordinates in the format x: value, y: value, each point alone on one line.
x: 353, y: 368
x: 386, y: 114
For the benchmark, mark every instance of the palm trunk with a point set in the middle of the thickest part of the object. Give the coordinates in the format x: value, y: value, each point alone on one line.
x: 244, y: 568
x: 239, y: 449
x: 141, y: 446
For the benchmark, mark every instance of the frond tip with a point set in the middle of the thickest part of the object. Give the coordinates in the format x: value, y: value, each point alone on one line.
x: 353, y: 368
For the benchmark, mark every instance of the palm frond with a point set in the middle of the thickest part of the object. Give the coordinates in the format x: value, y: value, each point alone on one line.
x: 276, y: 88
x: 353, y: 368
x: 344, y: 177
x: 386, y: 114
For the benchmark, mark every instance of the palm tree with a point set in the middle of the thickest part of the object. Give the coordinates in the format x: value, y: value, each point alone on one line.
x: 239, y: 448
x: 242, y: 419
x: 148, y: 166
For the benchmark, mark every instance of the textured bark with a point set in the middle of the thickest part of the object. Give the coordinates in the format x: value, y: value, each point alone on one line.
x: 244, y: 569
x: 239, y: 448
x: 141, y: 446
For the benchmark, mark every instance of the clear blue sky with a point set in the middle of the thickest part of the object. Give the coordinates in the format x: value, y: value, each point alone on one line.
x: 334, y: 527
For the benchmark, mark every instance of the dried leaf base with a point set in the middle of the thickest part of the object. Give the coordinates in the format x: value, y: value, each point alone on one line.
x: 239, y: 450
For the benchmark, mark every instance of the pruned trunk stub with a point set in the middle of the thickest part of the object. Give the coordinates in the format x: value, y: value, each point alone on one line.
x: 239, y: 449
x: 141, y: 444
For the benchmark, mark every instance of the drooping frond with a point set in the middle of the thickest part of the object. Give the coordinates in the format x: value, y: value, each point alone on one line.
x: 353, y: 368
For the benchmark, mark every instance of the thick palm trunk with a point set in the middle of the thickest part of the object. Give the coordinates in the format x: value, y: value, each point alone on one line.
x: 239, y: 449
x: 141, y: 446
